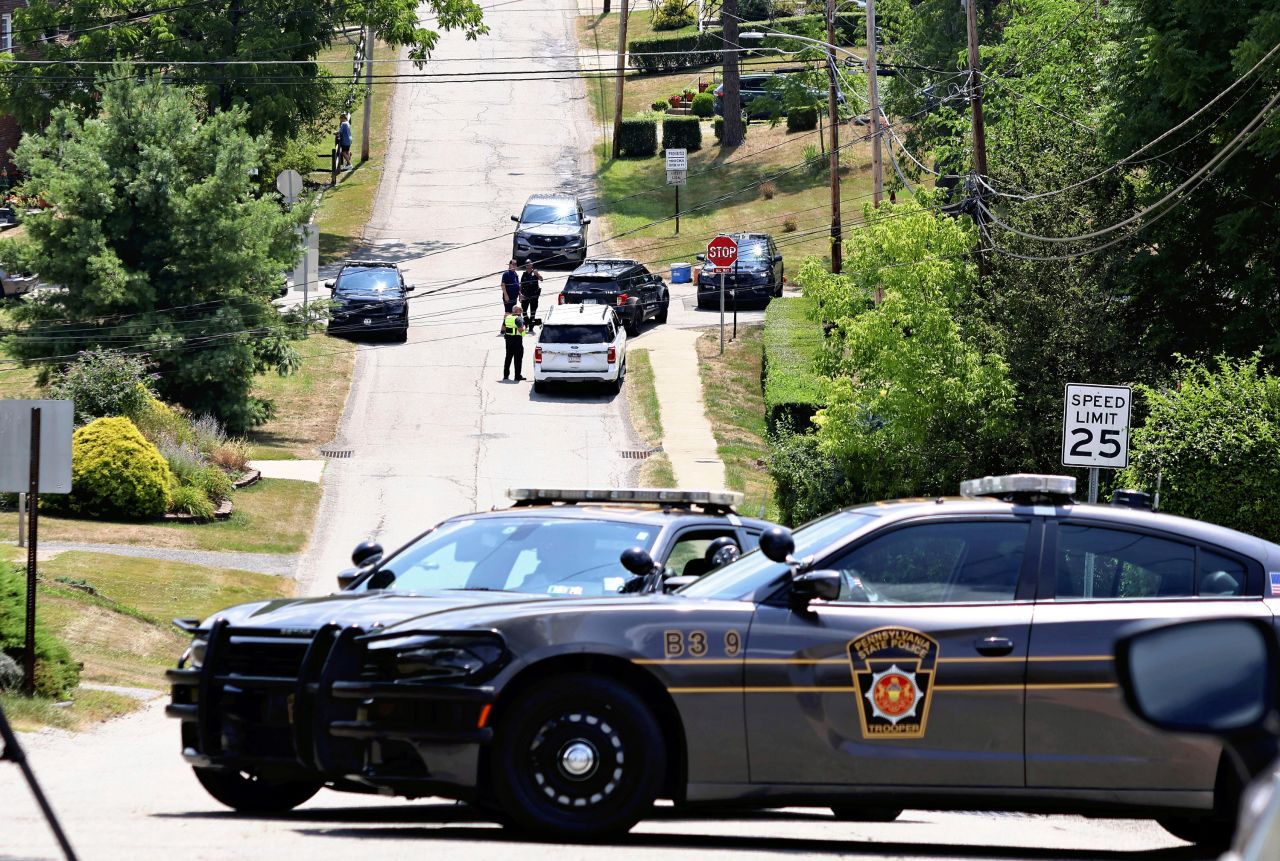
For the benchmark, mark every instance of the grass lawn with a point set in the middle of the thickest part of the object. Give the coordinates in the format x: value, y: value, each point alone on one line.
x: 308, y: 403
x: 272, y: 516
x: 348, y: 205
x: 646, y: 418
x: 123, y: 634
x: 604, y: 28
x: 735, y: 407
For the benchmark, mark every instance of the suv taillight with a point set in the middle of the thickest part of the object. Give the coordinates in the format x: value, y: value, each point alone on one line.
x: 537, y: 353
x: 613, y: 354
x: 622, y: 298
x: 559, y: 298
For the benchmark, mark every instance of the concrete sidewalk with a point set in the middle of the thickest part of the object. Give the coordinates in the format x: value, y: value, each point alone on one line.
x: 686, y: 433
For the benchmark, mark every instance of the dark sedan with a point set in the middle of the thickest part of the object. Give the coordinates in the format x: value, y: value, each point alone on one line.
x: 757, y: 277
x: 370, y: 299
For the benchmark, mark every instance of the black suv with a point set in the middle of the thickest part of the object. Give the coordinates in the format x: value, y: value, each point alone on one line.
x: 370, y: 298
x: 245, y: 690
x: 756, y: 278
x: 551, y: 227
x: 634, y: 292
x: 752, y: 87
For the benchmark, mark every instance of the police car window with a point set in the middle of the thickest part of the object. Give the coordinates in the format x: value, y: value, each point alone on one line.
x: 936, y: 563
x: 688, y: 554
x: 1219, y: 576
x: 543, y: 556
x: 1099, y: 563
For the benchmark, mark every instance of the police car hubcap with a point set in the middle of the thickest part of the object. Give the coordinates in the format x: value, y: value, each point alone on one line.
x: 577, y: 759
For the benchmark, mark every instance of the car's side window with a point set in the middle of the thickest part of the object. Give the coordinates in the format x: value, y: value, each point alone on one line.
x: 1105, y: 564
x: 688, y: 554
x: 932, y: 563
x: 1219, y: 576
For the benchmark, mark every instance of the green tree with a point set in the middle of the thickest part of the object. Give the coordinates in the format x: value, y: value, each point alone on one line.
x: 1211, y: 440
x: 160, y: 245
x: 279, y: 97
x: 914, y: 406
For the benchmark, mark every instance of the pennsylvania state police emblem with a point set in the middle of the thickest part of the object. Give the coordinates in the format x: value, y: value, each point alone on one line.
x: 893, y: 672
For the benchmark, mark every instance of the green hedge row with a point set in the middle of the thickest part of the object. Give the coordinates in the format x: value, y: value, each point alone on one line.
x: 792, y: 390
x: 638, y: 138
x: 682, y: 133
x: 717, y: 126
x: 693, y: 50
x: 802, y: 119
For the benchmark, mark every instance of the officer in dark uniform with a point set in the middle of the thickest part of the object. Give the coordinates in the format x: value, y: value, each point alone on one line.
x: 513, y: 337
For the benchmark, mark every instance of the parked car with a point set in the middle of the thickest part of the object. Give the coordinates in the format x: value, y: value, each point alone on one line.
x: 248, y: 690
x: 1217, y: 677
x: 757, y: 86
x: 626, y: 285
x: 551, y: 227
x: 370, y: 298
x: 14, y: 285
x: 580, y: 344
x: 757, y: 277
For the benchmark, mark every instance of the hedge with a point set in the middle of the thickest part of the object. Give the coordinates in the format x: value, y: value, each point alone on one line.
x: 638, y: 138
x: 117, y: 473
x: 682, y: 133
x: 792, y: 389
x: 692, y: 50
x: 717, y: 126
x: 802, y: 119
x: 704, y: 105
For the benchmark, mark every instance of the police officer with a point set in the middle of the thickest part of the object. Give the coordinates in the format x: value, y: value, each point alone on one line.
x: 513, y: 337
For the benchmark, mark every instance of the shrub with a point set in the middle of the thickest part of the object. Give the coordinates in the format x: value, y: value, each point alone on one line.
x: 1213, y: 440
x: 755, y: 10
x: 104, y: 384
x: 814, y: 159
x: 232, y: 454
x: 672, y: 15
x: 681, y: 133
x: 161, y: 423
x: 658, y: 107
x: 214, y: 483
x: 792, y: 387
x: 56, y: 673
x: 802, y: 119
x: 116, y: 472
x: 192, y: 500
x: 717, y: 126
x: 638, y: 138
x: 695, y: 50
x: 704, y: 105
x: 768, y: 190
x: 808, y: 482
x: 207, y: 434
x: 10, y: 674
x: 185, y: 462
x: 789, y: 224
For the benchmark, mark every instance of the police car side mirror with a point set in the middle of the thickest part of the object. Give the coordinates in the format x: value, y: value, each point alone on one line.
x: 366, y: 553
x: 516, y: 219
x: 586, y: 221
x: 346, y: 577
x: 821, y: 584
x: 1212, y: 676
x: 701, y: 257
x: 638, y: 561
x: 328, y: 285
x: 777, y: 544
x: 409, y: 288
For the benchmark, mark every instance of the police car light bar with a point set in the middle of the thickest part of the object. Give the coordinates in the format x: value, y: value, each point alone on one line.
x: 1021, y: 483
x: 651, y: 495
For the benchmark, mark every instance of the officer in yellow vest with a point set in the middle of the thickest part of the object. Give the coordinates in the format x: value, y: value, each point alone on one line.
x: 513, y: 336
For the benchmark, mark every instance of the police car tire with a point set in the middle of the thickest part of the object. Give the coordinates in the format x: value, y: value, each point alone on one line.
x: 251, y: 794
x: 1210, y: 833
x: 532, y: 788
x: 857, y: 812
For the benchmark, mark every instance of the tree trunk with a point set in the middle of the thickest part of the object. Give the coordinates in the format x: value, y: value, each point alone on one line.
x: 606, y: 7
x: 731, y: 101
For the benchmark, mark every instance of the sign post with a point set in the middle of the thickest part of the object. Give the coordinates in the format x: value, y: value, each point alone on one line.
x: 26, y: 429
x: 722, y: 254
x: 1095, y: 429
x: 677, y: 174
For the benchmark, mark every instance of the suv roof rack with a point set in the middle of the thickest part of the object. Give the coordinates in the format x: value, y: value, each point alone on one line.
x: 667, y: 497
x: 1023, y: 487
x: 383, y: 263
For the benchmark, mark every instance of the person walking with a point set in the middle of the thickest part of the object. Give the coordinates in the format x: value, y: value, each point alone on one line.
x: 513, y: 340
x: 510, y: 287
x: 344, y: 141
x: 530, y: 290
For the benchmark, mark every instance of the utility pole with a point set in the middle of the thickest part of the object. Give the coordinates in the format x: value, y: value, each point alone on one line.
x: 837, y: 241
x: 617, y: 84
x: 731, y: 101
x: 368, y: 92
x: 873, y: 99
x: 975, y: 90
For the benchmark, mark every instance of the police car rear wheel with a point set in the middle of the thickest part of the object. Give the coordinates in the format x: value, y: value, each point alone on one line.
x: 580, y: 756
x: 249, y: 793
x: 854, y: 812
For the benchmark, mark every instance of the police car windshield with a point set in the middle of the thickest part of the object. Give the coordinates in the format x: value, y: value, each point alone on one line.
x: 741, y: 578
x: 379, y: 283
x: 541, y: 213
x: 560, y: 556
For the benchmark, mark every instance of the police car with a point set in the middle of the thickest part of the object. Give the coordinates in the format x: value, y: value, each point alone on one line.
x: 951, y: 653
x: 245, y: 685
x: 580, y: 344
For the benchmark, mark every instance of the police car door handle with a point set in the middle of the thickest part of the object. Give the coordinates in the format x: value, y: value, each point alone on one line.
x: 994, y: 647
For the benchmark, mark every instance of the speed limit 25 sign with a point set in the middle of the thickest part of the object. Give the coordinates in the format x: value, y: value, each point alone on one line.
x: 1095, y: 426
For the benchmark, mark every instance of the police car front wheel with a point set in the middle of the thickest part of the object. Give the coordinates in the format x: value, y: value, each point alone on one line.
x: 579, y: 757
x: 249, y: 793
x: 856, y: 812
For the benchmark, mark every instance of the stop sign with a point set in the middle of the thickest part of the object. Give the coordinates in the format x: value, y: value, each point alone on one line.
x: 722, y: 252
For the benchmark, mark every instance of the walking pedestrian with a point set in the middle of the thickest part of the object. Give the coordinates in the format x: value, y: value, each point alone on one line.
x: 510, y: 287
x: 344, y: 141
x: 530, y: 290
x: 513, y: 340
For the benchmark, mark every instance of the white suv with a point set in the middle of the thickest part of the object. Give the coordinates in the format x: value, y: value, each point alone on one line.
x: 580, y: 344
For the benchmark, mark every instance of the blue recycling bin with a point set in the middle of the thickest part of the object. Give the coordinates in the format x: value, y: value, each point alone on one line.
x: 681, y: 273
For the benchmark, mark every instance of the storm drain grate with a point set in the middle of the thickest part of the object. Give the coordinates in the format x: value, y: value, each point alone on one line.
x: 336, y: 453
x: 638, y: 453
